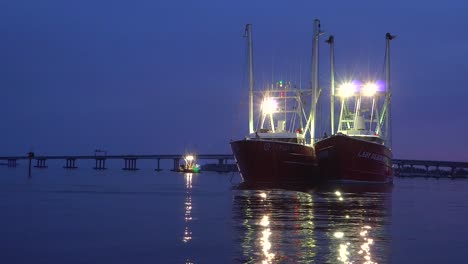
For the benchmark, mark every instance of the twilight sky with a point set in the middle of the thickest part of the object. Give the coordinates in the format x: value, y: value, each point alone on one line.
x: 144, y: 77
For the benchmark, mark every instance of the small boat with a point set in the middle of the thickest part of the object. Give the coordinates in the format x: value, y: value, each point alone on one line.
x: 190, y: 165
x: 280, y: 149
x: 359, y: 149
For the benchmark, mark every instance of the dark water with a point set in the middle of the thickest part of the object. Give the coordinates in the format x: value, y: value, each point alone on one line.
x: 114, y: 216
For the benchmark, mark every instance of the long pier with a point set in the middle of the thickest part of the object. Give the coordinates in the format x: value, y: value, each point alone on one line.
x: 430, y: 168
x: 130, y: 161
x: 402, y: 167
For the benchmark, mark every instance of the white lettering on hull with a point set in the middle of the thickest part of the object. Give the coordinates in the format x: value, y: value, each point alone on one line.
x: 267, y: 146
x: 372, y: 156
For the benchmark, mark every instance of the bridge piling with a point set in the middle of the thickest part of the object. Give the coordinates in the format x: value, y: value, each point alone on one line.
x: 158, y: 168
x: 130, y: 164
x: 100, y: 164
x: 176, y: 164
x: 11, y: 162
x: 70, y: 163
x: 41, y: 163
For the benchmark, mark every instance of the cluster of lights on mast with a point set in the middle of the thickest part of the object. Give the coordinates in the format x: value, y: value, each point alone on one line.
x: 349, y: 89
x: 353, y: 122
x: 345, y: 92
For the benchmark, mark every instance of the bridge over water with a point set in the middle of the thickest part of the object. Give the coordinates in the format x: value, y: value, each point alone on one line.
x: 130, y: 161
x: 430, y: 168
x: 402, y: 167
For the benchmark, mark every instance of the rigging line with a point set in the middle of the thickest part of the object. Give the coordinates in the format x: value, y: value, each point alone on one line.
x: 272, y: 69
x: 241, y: 100
x: 300, y: 76
x: 259, y: 116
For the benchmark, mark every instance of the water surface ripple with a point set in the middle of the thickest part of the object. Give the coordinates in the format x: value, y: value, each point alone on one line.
x: 115, y: 216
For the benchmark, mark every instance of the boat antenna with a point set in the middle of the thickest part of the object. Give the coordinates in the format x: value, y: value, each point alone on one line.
x: 248, y: 34
x: 315, y: 57
x: 331, y: 41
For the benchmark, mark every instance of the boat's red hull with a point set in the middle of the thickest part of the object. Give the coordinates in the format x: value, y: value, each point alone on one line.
x: 346, y: 159
x: 262, y: 161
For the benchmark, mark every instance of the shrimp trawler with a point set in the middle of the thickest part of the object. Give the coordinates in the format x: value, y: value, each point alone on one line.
x: 190, y: 165
x: 359, y: 149
x: 278, y: 150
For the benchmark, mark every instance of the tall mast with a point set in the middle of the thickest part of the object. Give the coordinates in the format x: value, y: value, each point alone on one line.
x: 314, y: 80
x: 387, y: 105
x: 331, y: 41
x: 248, y: 34
x: 388, y: 133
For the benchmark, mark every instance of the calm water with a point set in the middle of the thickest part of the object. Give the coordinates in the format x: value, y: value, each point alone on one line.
x: 114, y: 216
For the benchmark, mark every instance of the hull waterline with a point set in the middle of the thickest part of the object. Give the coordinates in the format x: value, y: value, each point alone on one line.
x: 265, y: 161
x: 344, y: 159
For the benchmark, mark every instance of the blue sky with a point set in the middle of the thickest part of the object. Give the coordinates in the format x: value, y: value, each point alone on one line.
x: 169, y: 76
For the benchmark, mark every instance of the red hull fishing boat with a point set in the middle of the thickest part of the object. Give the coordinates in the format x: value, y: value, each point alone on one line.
x: 278, y: 151
x: 359, y: 150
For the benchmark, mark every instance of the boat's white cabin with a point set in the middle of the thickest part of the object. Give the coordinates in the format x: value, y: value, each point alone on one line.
x: 298, y: 138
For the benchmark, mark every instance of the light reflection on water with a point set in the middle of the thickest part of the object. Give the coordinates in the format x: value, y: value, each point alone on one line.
x: 115, y: 216
x: 329, y: 226
x: 188, y: 208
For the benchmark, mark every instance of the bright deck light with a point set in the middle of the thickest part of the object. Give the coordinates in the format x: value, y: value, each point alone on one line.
x: 346, y: 90
x: 269, y: 106
x: 338, y: 234
x: 189, y: 158
x: 369, y: 89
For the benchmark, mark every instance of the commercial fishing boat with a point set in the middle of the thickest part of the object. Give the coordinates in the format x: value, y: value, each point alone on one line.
x: 190, y: 165
x: 277, y: 151
x: 359, y: 149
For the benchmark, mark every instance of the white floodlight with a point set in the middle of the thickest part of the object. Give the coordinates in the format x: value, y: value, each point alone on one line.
x: 346, y: 90
x: 269, y: 106
x: 369, y: 89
